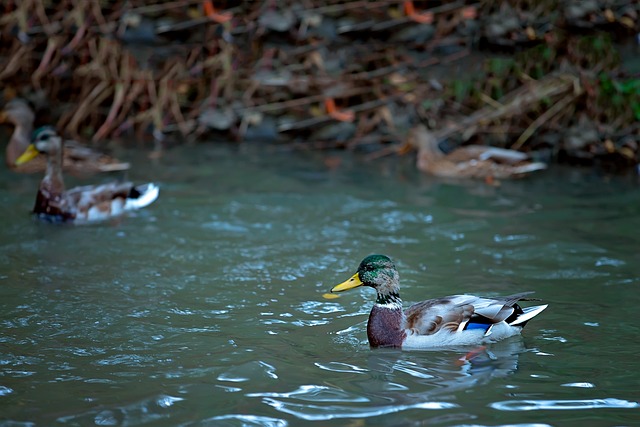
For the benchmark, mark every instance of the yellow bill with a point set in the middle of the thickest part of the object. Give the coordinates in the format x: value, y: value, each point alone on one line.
x: 353, y: 282
x: 29, y: 154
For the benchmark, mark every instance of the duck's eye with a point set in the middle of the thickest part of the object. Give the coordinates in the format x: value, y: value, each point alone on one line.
x: 42, y: 138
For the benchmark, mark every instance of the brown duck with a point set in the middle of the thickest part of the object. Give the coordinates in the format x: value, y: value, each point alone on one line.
x: 470, y: 161
x: 78, y: 159
x: 81, y: 204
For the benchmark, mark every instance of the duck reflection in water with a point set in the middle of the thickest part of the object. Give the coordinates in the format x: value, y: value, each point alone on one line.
x: 394, y: 382
x: 450, y: 371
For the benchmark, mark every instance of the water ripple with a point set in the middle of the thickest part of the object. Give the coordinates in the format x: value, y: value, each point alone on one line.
x: 126, y: 359
x: 535, y: 405
x: 341, y: 367
x: 317, y: 393
x: 225, y: 226
x: 314, y: 393
x: 145, y: 411
x: 316, y: 412
x: 248, y: 371
x: 412, y: 369
x: 244, y: 420
x: 165, y: 401
x: 579, y: 385
x: 319, y: 307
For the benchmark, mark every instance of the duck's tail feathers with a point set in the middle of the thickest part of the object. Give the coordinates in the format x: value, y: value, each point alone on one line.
x: 503, y: 154
x: 141, y: 196
x: 527, y: 314
x: 114, y: 167
x: 530, y: 167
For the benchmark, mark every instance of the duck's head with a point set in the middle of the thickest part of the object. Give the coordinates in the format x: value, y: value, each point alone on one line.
x: 45, y: 140
x: 18, y: 112
x: 376, y: 271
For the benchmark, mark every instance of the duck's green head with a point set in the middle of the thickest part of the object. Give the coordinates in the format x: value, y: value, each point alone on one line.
x: 376, y: 271
x: 43, y: 133
x: 45, y: 140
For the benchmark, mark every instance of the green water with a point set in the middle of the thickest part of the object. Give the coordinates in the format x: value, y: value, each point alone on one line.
x: 206, y: 309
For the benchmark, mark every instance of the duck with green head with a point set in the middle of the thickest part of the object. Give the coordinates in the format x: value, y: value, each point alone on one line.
x: 80, y: 204
x: 448, y: 321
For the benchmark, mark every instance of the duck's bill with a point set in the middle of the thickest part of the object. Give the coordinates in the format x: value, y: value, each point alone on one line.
x: 353, y: 282
x: 30, y: 153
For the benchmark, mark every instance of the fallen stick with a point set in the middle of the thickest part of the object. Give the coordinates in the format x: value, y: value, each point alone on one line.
x: 515, y: 103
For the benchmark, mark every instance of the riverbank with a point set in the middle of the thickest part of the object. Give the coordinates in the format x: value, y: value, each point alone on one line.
x: 354, y: 75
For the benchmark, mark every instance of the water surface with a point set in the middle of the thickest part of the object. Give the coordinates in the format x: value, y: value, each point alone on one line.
x: 206, y: 309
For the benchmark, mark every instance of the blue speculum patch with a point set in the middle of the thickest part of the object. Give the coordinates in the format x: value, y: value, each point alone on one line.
x: 471, y: 326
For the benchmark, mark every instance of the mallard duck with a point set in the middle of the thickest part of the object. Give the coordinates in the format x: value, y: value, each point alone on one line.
x: 80, y: 204
x: 78, y: 159
x: 469, y: 161
x: 448, y: 321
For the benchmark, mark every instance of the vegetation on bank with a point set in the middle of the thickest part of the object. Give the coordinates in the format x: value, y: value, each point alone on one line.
x: 352, y: 74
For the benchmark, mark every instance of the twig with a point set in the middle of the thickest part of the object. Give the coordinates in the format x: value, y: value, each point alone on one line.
x: 516, y: 102
x: 99, y: 93
x: 555, y: 109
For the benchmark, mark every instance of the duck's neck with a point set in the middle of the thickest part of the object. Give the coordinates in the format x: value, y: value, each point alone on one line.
x: 50, y: 193
x: 52, y: 181
x: 386, y: 321
x: 428, y: 144
x: 389, y: 300
x: 20, y: 140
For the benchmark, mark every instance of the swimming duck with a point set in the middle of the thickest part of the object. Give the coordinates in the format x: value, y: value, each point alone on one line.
x: 80, y: 204
x: 78, y: 159
x: 448, y: 321
x: 469, y: 161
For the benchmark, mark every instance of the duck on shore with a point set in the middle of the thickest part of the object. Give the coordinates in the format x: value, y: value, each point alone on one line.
x: 78, y: 159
